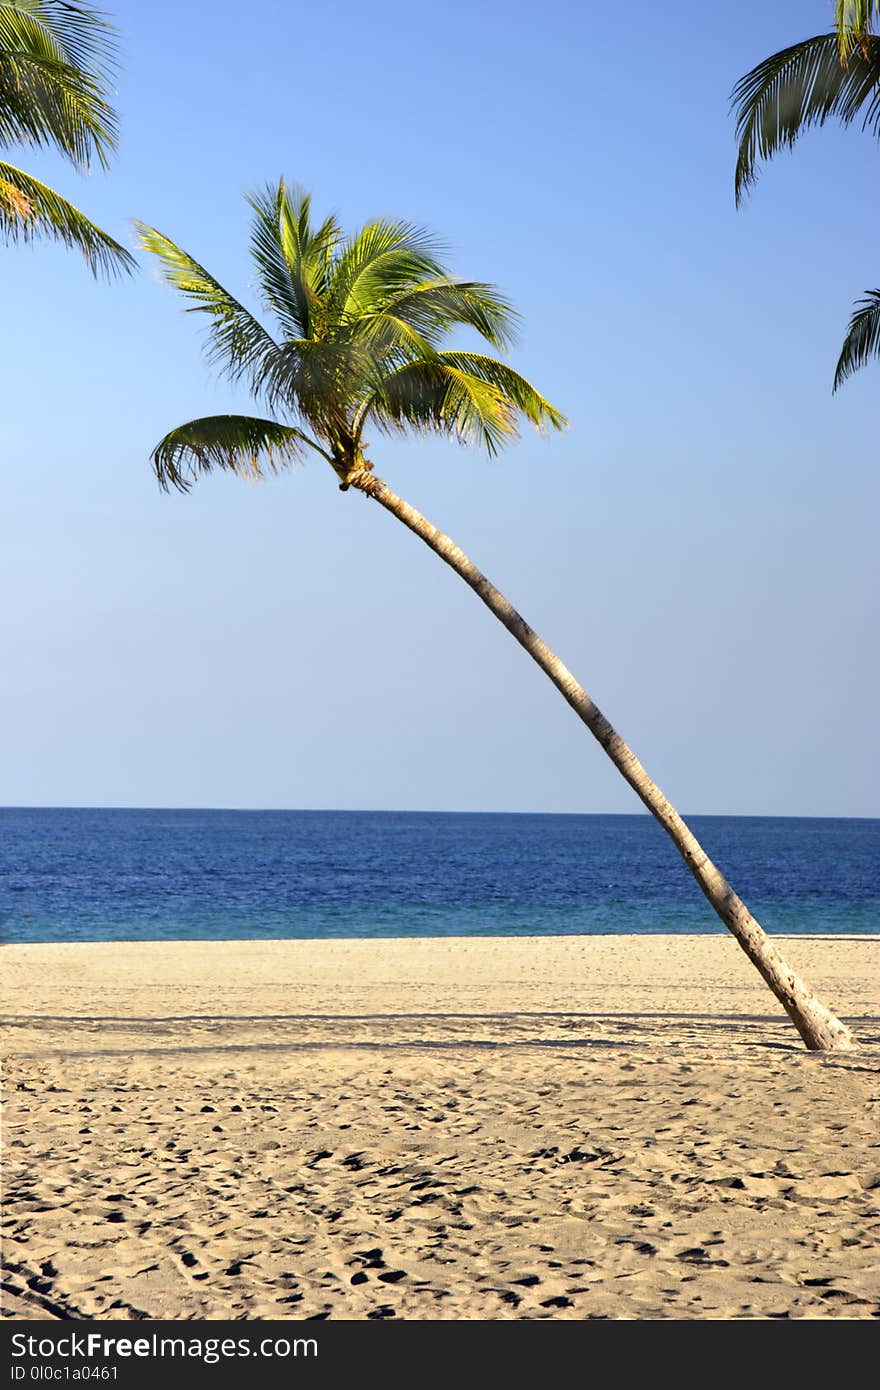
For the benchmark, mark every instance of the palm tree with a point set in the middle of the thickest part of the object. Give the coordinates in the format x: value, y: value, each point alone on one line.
x: 361, y: 324
x: 832, y: 75
x: 55, y: 61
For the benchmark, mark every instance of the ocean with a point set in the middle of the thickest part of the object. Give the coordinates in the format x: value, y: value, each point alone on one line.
x: 132, y: 875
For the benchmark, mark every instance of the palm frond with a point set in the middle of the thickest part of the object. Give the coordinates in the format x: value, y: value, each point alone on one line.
x: 292, y: 258
x: 237, y: 342
x: 433, y: 397
x: 46, y: 103
x: 435, y: 306
x: 521, y: 393
x: 382, y: 259
x: 799, y: 87
x: 55, y: 61
x: 854, y: 21
x: 30, y: 209
x: 390, y: 341
x: 84, y: 34
x: 467, y: 395
x: 239, y: 444
x: 862, y: 341
x: 321, y: 380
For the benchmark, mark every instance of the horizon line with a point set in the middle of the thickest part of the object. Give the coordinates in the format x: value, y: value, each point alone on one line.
x: 416, y: 811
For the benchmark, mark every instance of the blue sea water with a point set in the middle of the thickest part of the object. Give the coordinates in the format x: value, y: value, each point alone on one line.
x: 128, y: 875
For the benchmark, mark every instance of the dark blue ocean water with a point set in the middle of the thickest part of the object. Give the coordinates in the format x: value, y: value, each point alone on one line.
x: 89, y: 875
x: 217, y: 875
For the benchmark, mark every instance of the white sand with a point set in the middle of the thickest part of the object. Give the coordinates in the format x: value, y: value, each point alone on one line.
x: 564, y: 1127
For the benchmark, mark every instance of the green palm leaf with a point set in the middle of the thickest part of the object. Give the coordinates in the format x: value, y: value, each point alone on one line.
x: 799, y: 87
x: 855, y: 20
x: 237, y: 342
x: 521, y: 393
x: 433, y: 307
x: 239, y: 444
x: 383, y: 259
x: 29, y: 208
x: 43, y: 102
x: 57, y: 58
x: 390, y: 340
x: 292, y: 259
x: 468, y: 395
x: 55, y: 62
x: 862, y: 341
x: 82, y: 33
x: 437, y: 398
x: 318, y: 381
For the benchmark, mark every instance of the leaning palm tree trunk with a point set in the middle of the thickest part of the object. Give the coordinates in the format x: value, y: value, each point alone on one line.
x: 817, y: 1025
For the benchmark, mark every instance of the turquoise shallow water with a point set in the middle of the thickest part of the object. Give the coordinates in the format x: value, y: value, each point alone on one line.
x: 95, y: 875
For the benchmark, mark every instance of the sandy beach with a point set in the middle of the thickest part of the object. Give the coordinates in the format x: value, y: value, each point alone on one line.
x: 623, y: 1127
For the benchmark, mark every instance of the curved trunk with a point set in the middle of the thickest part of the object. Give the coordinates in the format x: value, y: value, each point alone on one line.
x: 817, y: 1025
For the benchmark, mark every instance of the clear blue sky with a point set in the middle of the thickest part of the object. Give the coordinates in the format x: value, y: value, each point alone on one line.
x: 700, y: 547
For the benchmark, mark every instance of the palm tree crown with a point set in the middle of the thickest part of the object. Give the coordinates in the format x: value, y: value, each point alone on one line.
x: 360, y: 323
x: 831, y: 76
x: 56, y: 59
